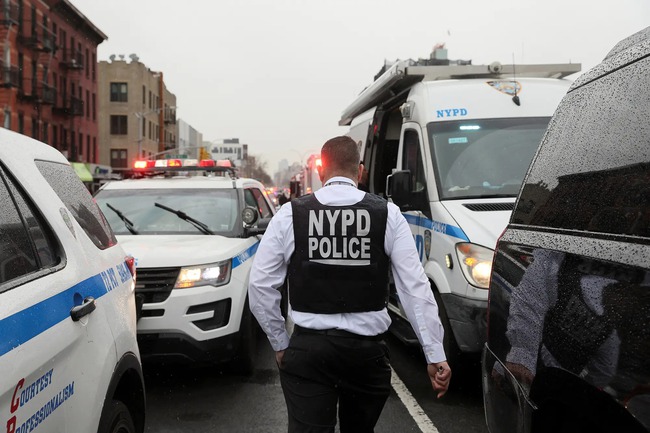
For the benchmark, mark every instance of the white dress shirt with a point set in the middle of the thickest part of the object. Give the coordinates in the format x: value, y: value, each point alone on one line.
x: 270, y: 269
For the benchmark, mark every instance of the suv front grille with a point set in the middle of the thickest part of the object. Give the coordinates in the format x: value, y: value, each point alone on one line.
x: 155, y: 284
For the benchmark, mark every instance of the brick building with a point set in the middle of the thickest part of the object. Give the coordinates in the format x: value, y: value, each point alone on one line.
x: 137, y: 113
x: 48, y: 86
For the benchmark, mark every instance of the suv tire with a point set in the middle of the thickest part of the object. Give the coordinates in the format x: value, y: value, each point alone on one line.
x: 117, y: 419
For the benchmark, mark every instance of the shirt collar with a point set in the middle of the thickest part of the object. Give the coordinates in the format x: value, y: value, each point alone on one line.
x: 339, y: 180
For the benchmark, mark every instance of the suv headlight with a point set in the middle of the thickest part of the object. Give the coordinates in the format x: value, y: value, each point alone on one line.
x: 476, y: 263
x: 214, y: 274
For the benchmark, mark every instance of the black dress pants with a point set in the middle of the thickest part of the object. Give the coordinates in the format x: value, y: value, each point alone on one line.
x: 321, y: 373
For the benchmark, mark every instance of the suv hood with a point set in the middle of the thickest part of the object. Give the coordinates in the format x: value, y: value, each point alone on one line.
x: 482, y: 227
x: 151, y: 251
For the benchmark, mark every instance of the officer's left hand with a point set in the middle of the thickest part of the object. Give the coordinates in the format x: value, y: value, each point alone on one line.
x: 440, y: 375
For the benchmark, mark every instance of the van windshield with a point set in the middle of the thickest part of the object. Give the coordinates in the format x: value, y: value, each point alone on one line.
x: 484, y: 158
x: 134, y: 211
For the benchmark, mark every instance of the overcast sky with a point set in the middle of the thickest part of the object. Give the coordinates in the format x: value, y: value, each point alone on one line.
x: 278, y: 73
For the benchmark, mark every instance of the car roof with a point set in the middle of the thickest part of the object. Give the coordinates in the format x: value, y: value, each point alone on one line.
x: 183, y: 182
x: 20, y: 149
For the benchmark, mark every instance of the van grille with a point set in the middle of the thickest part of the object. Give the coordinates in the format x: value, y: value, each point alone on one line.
x: 155, y: 284
x: 489, y: 207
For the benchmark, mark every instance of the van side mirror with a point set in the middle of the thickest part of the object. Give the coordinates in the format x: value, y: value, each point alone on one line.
x: 399, y: 187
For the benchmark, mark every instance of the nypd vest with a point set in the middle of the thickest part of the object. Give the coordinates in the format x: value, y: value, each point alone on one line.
x: 339, y: 264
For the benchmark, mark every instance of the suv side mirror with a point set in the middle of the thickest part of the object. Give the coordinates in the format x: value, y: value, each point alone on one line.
x: 250, y: 216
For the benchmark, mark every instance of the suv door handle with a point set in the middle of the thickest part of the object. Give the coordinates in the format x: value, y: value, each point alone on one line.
x: 87, y: 307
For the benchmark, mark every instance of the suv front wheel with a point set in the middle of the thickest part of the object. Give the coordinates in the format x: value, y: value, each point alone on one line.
x: 117, y: 420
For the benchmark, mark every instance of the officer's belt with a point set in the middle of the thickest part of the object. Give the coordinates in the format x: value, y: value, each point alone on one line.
x: 298, y: 330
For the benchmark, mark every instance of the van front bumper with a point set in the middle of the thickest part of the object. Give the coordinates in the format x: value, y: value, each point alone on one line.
x: 468, y: 320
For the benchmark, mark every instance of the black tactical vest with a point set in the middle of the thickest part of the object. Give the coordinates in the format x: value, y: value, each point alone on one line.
x: 339, y: 264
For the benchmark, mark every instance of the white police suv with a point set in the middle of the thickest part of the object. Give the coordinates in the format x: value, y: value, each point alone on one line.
x: 193, y: 228
x: 69, y: 359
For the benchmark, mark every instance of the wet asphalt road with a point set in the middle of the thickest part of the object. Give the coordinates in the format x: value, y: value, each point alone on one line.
x: 185, y: 399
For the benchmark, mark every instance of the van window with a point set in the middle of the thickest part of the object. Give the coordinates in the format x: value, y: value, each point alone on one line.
x: 65, y: 182
x: 483, y: 158
x: 412, y: 160
x: 593, y: 170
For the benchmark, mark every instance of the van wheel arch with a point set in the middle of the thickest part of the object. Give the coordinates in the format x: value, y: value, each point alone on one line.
x: 127, y: 387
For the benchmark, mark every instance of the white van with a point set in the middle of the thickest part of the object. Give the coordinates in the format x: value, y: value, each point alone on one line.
x: 450, y: 142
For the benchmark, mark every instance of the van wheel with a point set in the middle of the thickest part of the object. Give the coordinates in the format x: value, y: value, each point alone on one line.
x: 116, y: 419
x: 449, y: 341
x: 244, y: 361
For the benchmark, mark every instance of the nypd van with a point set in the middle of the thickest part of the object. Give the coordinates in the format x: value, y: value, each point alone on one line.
x: 193, y: 228
x: 450, y: 142
x: 69, y: 359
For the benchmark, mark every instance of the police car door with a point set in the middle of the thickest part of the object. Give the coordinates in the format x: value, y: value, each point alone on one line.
x: 53, y: 364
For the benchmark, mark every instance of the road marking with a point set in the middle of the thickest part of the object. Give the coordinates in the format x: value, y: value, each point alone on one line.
x: 417, y: 413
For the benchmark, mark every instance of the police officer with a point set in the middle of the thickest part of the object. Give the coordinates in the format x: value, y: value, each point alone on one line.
x: 335, y: 247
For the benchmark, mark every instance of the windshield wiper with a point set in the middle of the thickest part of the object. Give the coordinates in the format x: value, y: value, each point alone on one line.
x: 127, y: 222
x: 182, y: 215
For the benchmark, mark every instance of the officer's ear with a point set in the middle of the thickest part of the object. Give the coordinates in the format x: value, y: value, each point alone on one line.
x: 321, y: 173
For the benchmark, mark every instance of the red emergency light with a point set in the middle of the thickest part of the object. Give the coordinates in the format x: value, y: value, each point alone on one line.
x: 141, y: 163
x: 207, y: 163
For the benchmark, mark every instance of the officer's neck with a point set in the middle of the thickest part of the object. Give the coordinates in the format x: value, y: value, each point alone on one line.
x: 338, y: 180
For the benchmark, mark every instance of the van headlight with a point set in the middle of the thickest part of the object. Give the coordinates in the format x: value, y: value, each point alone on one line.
x: 476, y: 263
x: 214, y: 274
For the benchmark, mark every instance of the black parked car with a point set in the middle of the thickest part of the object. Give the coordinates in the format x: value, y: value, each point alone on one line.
x: 568, y: 346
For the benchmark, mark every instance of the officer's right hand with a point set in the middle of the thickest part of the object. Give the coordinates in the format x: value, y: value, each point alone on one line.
x: 278, y: 357
x: 440, y: 375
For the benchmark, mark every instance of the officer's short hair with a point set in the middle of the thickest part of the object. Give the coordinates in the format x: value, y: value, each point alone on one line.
x: 340, y: 154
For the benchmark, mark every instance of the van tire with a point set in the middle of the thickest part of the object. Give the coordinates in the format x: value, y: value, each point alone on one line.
x: 449, y: 341
x: 117, y: 419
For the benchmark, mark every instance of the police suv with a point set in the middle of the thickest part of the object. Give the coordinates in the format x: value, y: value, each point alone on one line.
x: 193, y: 228
x: 69, y: 359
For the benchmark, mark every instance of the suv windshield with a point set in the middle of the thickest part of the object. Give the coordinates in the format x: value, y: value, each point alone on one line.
x: 484, y: 158
x: 134, y: 211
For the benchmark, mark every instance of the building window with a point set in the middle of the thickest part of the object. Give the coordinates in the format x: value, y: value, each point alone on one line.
x: 94, y: 106
x: 118, y: 125
x: 119, y: 92
x: 94, y: 64
x: 87, y: 104
x: 34, y: 128
x: 144, y: 95
x: 45, y: 134
x: 7, y: 122
x: 119, y: 158
x: 55, y: 137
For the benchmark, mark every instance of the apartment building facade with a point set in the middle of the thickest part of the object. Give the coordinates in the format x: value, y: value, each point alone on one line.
x: 137, y: 113
x: 48, y: 83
